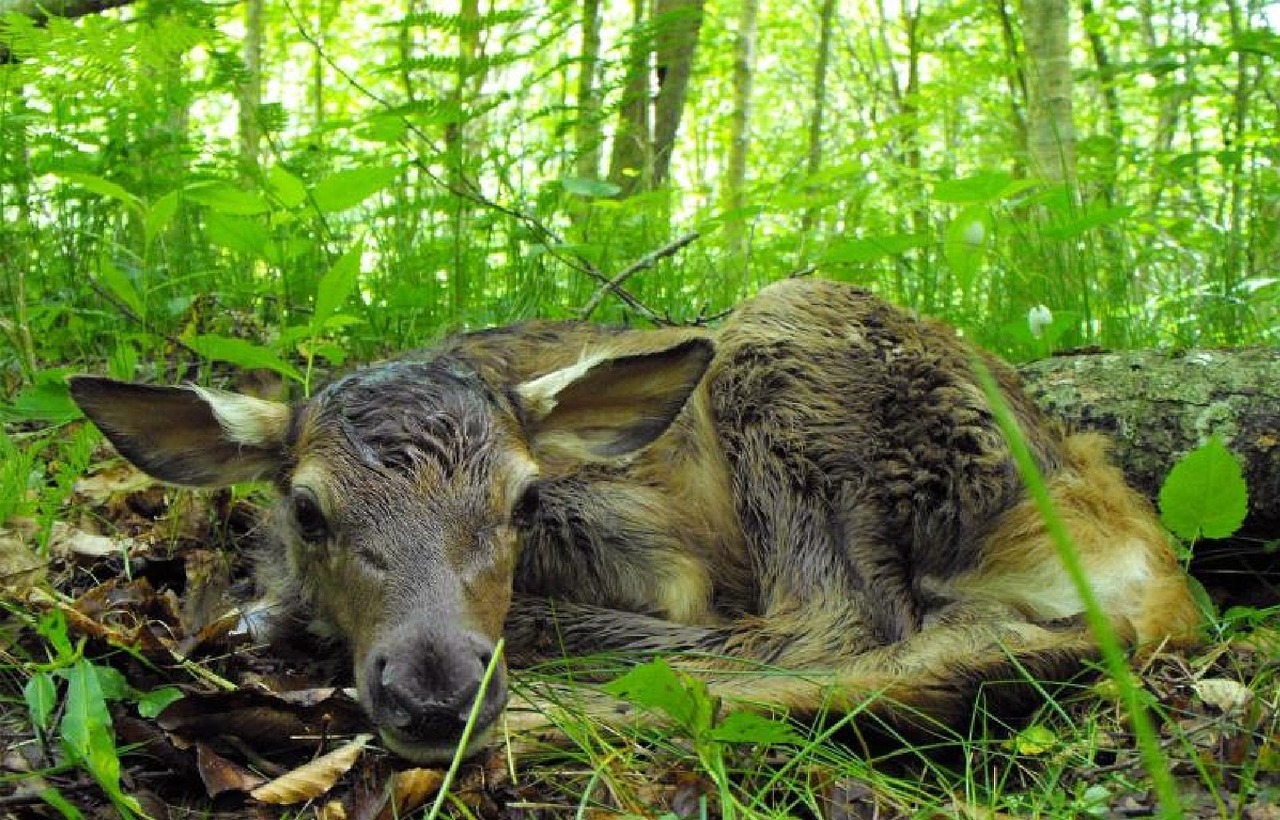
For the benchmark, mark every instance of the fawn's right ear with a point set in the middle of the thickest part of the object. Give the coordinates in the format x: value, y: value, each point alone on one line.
x: 187, y: 435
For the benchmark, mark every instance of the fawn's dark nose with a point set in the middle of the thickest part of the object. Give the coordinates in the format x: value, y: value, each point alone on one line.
x: 420, y: 685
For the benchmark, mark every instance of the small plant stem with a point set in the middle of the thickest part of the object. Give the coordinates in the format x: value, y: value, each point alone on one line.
x: 461, y: 751
x: 1112, y: 652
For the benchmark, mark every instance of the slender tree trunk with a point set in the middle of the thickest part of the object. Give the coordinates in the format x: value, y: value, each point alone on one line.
x: 250, y: 91
x: 678, y: 24
x: 1016, y: 79
x: 744, y: 58
x: 817, y: 110
x: 456, y: 153
x: 1052, y: 137
x: 587, y: 131
x: 629, y: 165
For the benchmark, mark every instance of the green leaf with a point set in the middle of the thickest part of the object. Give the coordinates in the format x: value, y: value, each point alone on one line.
x: 103, y: 187
x: 1034, y: 740
x: 965, y: 241
x: 87, y: 734
x: 983, y: 186
x: 152, y: 703
x: 655, y: 685
x: 117, y: 282
x: 237, y: 233
x: 242, y: 354
x: 337, y: 284
x: 286, y: 187
x: 225, y: 198
x: 865, y: 250
x: 590, y: 188
x: 160, y: 214
x: 1092, y: 218
x: 347, y: 189
x: 1205, y: 494
x: 748, y: 727
x: 112, y: 682
x: 45, y: 401
x: 41, y: 696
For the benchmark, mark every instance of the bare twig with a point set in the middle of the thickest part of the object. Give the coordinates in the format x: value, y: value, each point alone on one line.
x: 645, y: 262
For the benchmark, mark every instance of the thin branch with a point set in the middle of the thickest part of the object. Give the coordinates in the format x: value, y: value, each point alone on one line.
x: 643, y: 263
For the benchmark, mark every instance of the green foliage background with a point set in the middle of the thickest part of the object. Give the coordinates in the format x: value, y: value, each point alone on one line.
x: 400, y: 190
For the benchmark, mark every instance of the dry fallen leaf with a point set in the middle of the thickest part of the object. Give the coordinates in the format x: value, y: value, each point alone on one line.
x: 1224, y: 694
x: 66, y: 540
x: 410, y: 790
x: 310, y: 780
x: 221, y: 775
x: 20, y: 567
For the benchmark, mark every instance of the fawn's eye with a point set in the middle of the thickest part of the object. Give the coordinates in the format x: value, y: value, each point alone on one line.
x: 308, y: 516
x: 526, y: 508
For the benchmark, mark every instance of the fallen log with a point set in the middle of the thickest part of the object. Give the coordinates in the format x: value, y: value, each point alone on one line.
x: 1158, y: 405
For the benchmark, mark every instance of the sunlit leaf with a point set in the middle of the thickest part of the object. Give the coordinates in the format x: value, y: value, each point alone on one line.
x: 347, y: 189
x: 1092, y: 218
x: 286, y: 187
x: 241, y: 353
x: 160, y: 214
x: 225, y: 198
x: 1205, y: 494
x: 100, y: 186
x: 865, y: 250
x: 748, y: 727
x: 41, y: 696
x: 117, y: 282
x: 151, y: 704
x: 984, y: 186
x: 590, y: 188
x: 337, y: 284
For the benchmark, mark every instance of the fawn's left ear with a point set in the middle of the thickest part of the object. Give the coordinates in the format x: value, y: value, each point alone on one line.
x: 607, y: 406
x: 187, y: 435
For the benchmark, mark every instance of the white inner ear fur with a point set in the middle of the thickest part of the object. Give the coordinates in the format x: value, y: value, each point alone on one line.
x: 246, y: 420
x: 540, y: 394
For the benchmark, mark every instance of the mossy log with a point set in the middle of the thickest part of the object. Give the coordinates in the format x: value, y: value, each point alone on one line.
x: 1158, y: 405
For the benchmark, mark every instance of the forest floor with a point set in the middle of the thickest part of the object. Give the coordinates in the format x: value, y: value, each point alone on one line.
x: 129, y: 628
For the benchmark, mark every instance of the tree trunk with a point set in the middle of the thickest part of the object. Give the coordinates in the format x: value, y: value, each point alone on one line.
x: 250, y: 91
x: 678, y: 24
x: 744, y: 59
x: 629, y: 164
x: 817, y: 111
x: 1158, y: 405
x: 1046, y: 28
x: 587, y: 131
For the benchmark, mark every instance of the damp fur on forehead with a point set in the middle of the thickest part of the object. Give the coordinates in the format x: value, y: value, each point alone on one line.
x: 404, y: 416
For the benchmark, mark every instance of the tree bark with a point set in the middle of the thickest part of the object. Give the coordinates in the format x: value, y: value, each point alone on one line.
x: 250, y: 91
x: 629, y: 163
x: 678, y: 25
x: 744, y: 59
x: 587, y: 130
x: 817, y: 111
x: 1051, y: 128
x: 1159, y: 405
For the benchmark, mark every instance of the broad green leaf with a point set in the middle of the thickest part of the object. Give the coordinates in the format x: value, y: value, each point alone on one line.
x: 748, y: 727
x: 337, y: 284
x: 347, y: 189
x: 151, y: 704
x: 1205, y: 494
x: 865, y: 250
x: 53, y: 628
x: 286, y: 187
x: 46, y: 401
x: 383, y: 128
x: 87, y: 733
x: 41, y: 696
x: 1034, y: 740
x: 655, y: 685
x: 965, y: 242
x: 117, y: 282
x: 112, y: 682
x: 237, y: 233
x: 983, y: 186
x: 242, y: 354
x: 590, y: 188
x: 225, y: 198
x: 160, y: 214
x: 1090, y: 219
x: 100, y: 186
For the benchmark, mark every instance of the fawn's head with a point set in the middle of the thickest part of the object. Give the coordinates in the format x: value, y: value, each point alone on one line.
x: 403, y: 488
